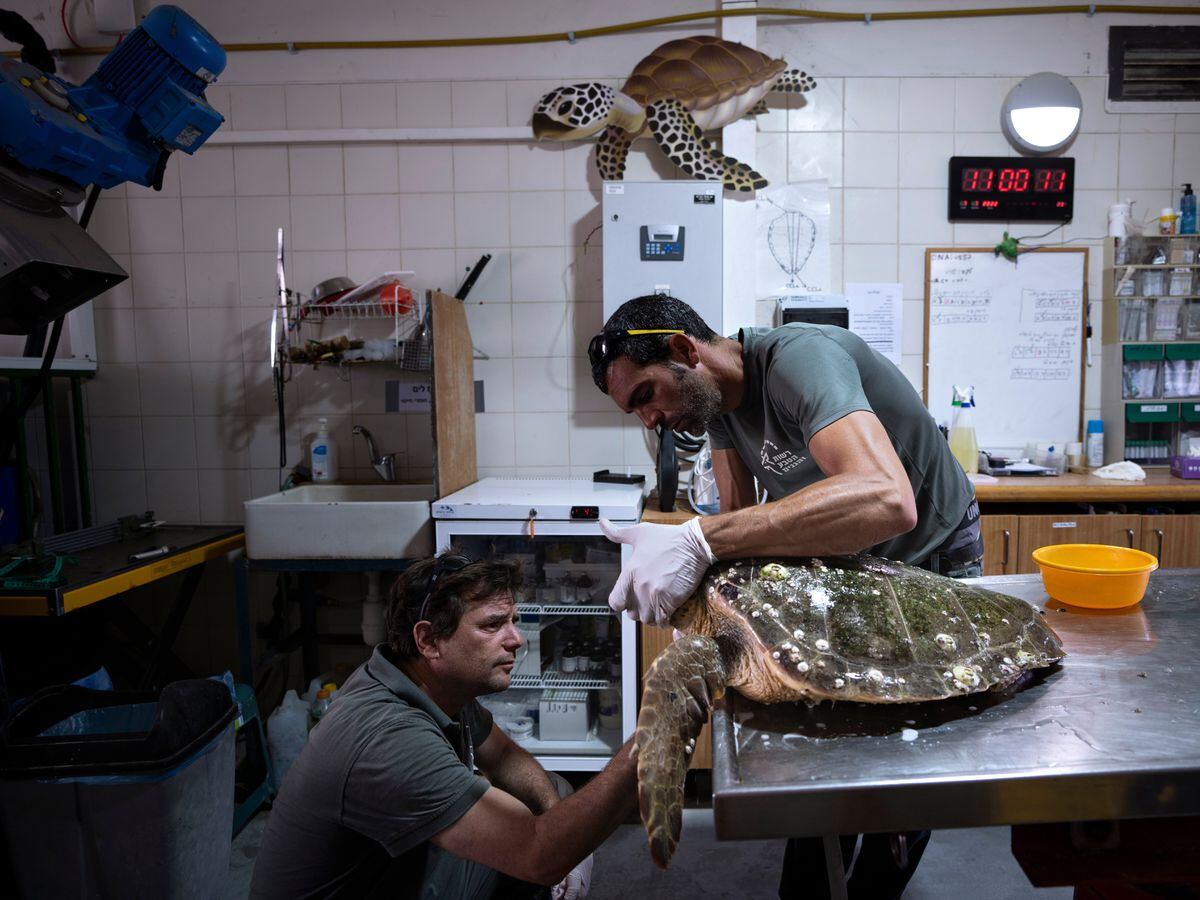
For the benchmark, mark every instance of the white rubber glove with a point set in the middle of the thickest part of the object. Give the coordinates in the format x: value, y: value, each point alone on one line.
x: 667, y: 563
x: 577, y: 883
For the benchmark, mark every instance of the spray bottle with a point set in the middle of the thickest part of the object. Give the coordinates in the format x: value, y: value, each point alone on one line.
x: 962, y: 430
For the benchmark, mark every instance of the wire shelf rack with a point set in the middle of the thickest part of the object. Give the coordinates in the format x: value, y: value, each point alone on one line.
x: 382, y: 299
x: 554, y: 679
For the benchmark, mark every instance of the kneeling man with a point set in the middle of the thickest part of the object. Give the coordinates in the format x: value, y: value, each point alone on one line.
x: 407, y: 787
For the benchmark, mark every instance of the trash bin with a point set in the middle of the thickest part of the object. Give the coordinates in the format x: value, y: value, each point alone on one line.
x: 107, y: 794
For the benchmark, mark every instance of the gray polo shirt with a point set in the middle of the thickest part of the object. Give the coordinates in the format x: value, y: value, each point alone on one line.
x: 801, y: 378
x: 383, y: 771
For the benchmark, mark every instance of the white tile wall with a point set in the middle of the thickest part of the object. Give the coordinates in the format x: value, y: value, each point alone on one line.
x: 260, y: 170
x: 158, y: 280
x: 183, y: 411
x: 368, y: 105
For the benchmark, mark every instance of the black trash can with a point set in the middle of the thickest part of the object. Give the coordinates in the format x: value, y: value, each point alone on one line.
x: 106, y: 794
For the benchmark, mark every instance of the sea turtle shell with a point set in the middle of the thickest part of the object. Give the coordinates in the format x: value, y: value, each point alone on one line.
x: 863, y: 628
x: 700, y: 72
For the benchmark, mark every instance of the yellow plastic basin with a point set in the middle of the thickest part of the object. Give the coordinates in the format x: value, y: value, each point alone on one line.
x: 1098, y: 576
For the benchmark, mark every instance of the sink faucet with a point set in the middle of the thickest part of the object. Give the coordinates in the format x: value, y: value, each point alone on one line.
x: 385, y: 464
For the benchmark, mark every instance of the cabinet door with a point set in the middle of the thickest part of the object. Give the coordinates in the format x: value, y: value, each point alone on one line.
x: 1175, y: 540
x: 999, y: 544
x: 1041, y: 531
x: 654, y: 641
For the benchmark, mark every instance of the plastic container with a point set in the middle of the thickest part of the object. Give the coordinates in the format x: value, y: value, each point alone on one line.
x: 324, y: 455
x: 1167, y: 220
x: 962, y: 430
x: 1187, y: 210
x: 1097, y: 576
x: 1095, y: 443
x: 287, y: 732
x: 112, y: 794
x: 320, y: 706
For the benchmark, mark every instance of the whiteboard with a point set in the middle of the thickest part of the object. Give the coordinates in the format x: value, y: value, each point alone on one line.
x: 1016, y: 332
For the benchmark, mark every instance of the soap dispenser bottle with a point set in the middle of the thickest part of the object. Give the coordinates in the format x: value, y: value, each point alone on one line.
x: 1187, y: 211
x: 324, y: 455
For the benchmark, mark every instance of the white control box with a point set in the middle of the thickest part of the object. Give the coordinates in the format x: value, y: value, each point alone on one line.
x: 664, y: 237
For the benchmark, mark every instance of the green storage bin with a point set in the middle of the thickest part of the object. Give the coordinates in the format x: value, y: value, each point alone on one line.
x: 1152, y: 412
x: 1191, y: 412
x: 1142, y: 352
x: 1183, y: 351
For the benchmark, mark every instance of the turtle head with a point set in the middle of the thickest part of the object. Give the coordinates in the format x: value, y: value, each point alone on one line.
x: 573, y: 111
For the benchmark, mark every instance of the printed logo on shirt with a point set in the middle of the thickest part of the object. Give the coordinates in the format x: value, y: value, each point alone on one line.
x: 778, y: 461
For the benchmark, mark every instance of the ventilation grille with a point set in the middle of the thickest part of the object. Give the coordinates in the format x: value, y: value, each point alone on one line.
x: 1159, y: 63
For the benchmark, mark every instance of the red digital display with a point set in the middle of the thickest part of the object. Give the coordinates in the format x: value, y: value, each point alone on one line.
x: 1014, y: 180
x: 1014, y: 189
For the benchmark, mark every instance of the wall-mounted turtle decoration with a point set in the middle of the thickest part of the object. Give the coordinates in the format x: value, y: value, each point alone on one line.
x: 679, y: 91
x: 841, y: 628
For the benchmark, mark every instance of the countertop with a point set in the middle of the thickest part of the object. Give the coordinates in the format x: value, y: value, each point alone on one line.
x: 1070, y: 488
x: 1112, y: 732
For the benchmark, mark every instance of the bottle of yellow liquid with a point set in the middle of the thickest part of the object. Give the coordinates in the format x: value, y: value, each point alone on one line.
x: 962, y: 430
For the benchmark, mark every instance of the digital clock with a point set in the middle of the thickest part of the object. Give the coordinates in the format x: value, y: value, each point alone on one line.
x: 1011, y: 189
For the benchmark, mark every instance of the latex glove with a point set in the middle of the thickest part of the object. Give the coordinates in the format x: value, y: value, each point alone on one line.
x: 667, y: 563
x: 577, y: 883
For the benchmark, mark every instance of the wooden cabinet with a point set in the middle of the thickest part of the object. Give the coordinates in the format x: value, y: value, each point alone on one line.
x: 999, y: 544
x: 1041, y: 531
x: 654, y: 640
x: 1175, y: 540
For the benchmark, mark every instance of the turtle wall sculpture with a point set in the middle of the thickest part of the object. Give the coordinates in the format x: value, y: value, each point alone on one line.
x: 842, y: 628
x: 682, y: 89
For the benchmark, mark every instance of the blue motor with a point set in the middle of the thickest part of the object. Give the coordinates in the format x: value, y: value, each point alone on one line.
x: 145, y: 100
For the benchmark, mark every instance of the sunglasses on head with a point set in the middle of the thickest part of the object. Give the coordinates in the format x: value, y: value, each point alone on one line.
x: 605, y: 342
x: 445, y: 565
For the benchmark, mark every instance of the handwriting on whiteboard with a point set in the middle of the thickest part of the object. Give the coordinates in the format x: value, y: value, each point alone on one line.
x: 1040, y: 306
x: 1029, y: 373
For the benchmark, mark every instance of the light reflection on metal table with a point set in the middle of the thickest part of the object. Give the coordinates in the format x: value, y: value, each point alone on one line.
x: 1112, y: 733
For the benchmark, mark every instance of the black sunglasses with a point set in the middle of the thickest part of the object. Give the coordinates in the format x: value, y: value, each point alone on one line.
x: 606, y: 341
x: 445, y: 565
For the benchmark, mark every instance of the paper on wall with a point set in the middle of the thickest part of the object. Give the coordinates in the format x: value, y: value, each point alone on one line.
x: 791, y: 240
x: 875, y: 315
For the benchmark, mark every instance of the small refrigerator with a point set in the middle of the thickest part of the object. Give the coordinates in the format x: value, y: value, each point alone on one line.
x: 573, y: 697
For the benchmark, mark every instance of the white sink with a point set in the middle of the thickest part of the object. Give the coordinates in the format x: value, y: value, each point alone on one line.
x: 341, y: 521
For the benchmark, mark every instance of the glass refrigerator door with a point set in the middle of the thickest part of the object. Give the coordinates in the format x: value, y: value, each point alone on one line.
x: 573, y: 699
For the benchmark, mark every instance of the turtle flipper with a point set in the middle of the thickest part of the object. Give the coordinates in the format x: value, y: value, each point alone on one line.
x: 611, y: 150
x: 680, y: 138
x: 680, y: 688
x: 794, y: 81
x: 758, y: 109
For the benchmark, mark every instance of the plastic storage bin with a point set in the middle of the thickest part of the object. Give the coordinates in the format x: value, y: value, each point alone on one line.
x: 106, y: 794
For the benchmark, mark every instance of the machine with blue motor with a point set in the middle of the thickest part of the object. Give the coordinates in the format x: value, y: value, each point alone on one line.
x: 145, y: 100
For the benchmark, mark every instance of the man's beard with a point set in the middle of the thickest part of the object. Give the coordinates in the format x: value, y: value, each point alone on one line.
x: 700, y: 399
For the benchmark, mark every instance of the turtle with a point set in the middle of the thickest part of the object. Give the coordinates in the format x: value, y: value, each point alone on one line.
x: 857, y: 628
x: 682, y: 89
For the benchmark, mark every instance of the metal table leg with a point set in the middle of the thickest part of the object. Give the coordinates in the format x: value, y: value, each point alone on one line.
x: 308, y: 626
x: 170, y: 629
x: 241, y: 581
x: 834, y: 866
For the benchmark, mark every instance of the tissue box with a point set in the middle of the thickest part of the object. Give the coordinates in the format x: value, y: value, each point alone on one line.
x: 563, y: 715
x: 1185, y: 466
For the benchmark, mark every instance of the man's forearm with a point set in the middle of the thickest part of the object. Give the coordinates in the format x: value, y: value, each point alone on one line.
x: 841, y: 514
x: 578, y: 824
x: 521, y: 775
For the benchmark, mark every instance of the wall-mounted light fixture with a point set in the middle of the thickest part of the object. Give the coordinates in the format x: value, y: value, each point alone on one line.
x: 1041, y: 114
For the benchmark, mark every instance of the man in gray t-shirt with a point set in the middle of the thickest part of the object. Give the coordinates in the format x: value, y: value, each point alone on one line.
x: 386, y: 797
x: 834, y: 432
x: 847, y: 453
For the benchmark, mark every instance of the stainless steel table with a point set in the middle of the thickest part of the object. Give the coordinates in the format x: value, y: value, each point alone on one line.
x: 1114, y: 732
